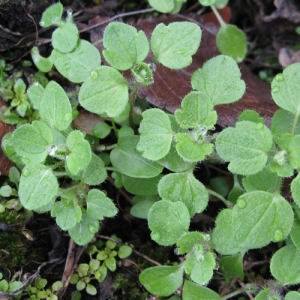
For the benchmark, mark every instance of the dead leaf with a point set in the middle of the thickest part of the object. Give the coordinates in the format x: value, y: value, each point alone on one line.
x: 285, y: 9
x: 5, y: 163
x: 288, y: 56
x: 170, y: 86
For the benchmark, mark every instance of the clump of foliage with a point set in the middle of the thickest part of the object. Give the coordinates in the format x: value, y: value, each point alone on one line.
x: 50, y: 148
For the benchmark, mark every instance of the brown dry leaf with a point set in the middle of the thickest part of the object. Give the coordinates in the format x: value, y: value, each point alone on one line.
x: 170, y: 86
x: 5, y: 163
x: 288, y: 56
x: 285, y: 9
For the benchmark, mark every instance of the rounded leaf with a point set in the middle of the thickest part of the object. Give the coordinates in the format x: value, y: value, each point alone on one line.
x: 105, y: 92
x: 168, y: 221
x: 162, y: 280
x: 285, y: 265
x: 38, y: 186
x: 65, y: 37
x: 78, y: 64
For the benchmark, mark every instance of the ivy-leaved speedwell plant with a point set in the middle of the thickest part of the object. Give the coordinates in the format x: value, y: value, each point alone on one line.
x: 50, y: 148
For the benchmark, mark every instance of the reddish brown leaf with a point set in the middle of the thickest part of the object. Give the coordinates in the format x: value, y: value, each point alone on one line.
x: 170, y: 86
x: 5, y: 163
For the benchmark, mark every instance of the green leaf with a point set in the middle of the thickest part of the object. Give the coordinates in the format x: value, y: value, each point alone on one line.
x: 35, y: 94
x: 3, y: 285
x: 173, y: 162
x: 111, y: 263
x: 141, y: 209
x: 187, y: 241
x: 38, y: 186
x: 232, y: 41
x: 42, y: 63
x: 124, y: 251
x: 78, y: 64
x: 265, y: 180
x: 206, y: 2
x: 192, y: 291
x: 203, y: 268
x: 141, y: 186
x: 99, y: 206
x: 53, y: 12
x: 223, y: 85
x: 292, y: 296
x: 260, y: 212
x: 84, y: 231
x: 285, y: 266
x: 294, y: 151
x: 101, y: 130
x: 246, y: 147
x: 165, y: 6
x: 65, y: 37
x: 106, y: 91
x: 91, y: 290
x: 127, y: 160
x: 155, y: 134
x: 295, y: 189
x: 124, y: 45
x: 55, y: 108
x: 219, y: 4
x: 232, y: 267
x: 295, y: 233
x: 191, y: 148
x: 162, y: 280
x: 66, y: 213
x: 31, y: 141
x: 186, y: 188
x: 285, y: 89
x: 168, y: 221
x: 251, y: 115
x: 80, y: 155
x: 282, y: 123
x: 174, y: 45
x: 196, y: 111
x: 95, y: 172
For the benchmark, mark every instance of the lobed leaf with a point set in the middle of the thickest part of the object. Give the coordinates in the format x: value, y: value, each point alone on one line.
x: 245, y: 147
x: 125, y: 46
x: 106, y: 91
x: 186, y: 188
x: 223, y: 85
x: 168, y: 221
x: 99, y: 206
x: 196, y: 111
x: 155, y: 134
x: 191, y: 150
x: 174, y: 45
x: 80, y: 152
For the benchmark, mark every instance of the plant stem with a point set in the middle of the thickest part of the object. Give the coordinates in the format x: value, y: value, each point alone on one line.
x: 104, y: 148
x: 218, y: 16
x: 237, y: 292
x: 113, y: 124
x: 226, y: 202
